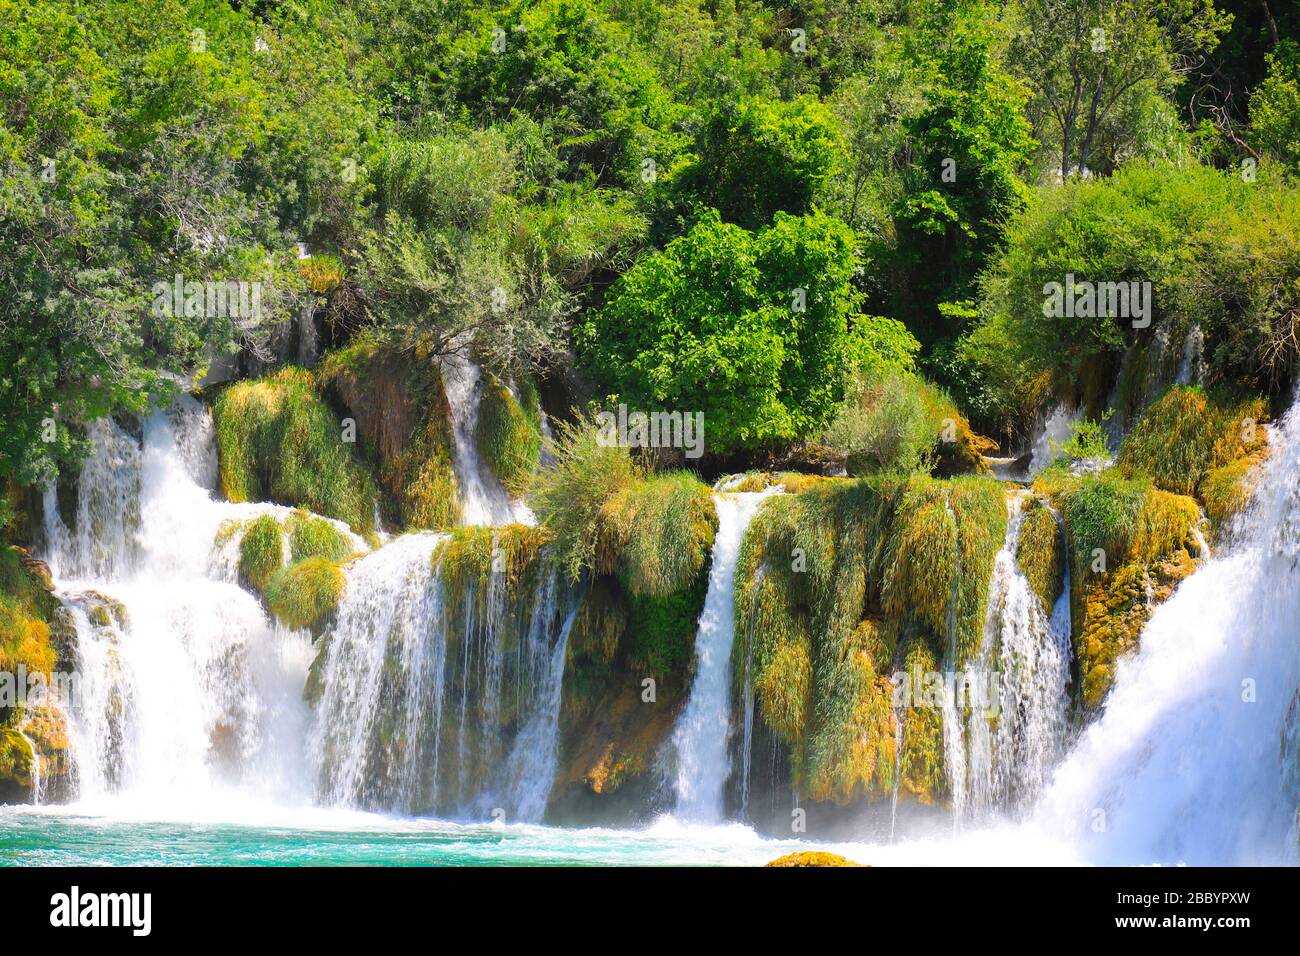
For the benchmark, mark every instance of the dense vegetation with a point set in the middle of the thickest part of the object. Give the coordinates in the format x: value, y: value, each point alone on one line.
x: 830, y: 227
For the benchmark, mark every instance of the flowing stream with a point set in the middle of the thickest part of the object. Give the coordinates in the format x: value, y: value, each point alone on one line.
x: 700, y: 737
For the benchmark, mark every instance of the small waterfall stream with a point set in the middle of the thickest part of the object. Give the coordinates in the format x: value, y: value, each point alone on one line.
x: 484, y: 500
x: 700, y: 737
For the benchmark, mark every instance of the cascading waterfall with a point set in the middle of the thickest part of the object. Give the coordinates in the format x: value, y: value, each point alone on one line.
x: 1194, y: 758
x: 1016, y: 729
x: 184, y: 687
x: 700, y: 737
x: 428, y: 700
x: 382, y: 676
x: 484, y: 500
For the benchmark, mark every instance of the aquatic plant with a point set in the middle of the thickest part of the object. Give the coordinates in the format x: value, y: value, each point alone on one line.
x: 304, y: 594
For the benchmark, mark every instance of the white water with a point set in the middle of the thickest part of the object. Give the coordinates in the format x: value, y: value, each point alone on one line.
x: 1023, y: 670
x: 195, y: 692
x: 484, y: 500
x: 1194, y: 758
x: 1057, y: 429
x: 409, y: 718
x: 700, y: 737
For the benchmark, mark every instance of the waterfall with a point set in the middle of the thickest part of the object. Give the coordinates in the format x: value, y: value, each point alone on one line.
x: 372, y: 746
x: 434, y: 699
x: 527, y: 775
x: 1022, y: 675
x: 1193, y: 759
x: 700, y: 737
x: 1056, y: 429
x: 484, y: 500
x: 184, y: 687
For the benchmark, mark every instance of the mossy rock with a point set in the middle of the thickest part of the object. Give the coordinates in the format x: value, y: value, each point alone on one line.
x: 1040, y: 553
x: 509, y: 431
x: 812, y: 858
x: 1188, y: 433
x: 279, y: 441
x: 314, y: 537
x: 404, y: 427
x: 261, y: 552
x: 304, y: 595
x: 852, y: 753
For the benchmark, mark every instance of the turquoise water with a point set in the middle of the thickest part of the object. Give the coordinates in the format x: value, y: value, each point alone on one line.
x: 69, y: 836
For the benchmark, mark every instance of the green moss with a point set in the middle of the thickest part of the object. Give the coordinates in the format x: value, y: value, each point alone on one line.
x: 404, y: 427
x: 1040, y: 553
x: 663, y: 628
x: 278, y: 441
x: 304, y: 594
x: 1100, y: 512
x: 852, y: 753
x: 921, y: 772
x: 1187, y: 433
x: 312, y: 537
x: 509, y: 432
x: 261, y: 552
x: 1131, y: 543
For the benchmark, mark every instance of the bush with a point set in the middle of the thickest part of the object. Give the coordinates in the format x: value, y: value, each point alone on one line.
x: 571, y: 493
x: 712, y: 324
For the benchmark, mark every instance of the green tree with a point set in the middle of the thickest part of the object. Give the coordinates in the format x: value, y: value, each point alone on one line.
x: 750, y: 329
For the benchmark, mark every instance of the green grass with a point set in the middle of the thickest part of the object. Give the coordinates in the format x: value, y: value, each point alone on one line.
x: 278, y: 441
x: 509, y: 432
x: 1187, y: 433
x: 304, y: 594
x: 1040, y: 553
x: 261, y: 552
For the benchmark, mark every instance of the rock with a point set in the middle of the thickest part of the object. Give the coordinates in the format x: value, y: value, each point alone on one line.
x: 812, y: 858
x: 36, y: 569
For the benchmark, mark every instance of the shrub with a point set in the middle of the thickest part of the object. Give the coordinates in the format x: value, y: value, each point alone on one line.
x: 711, y: 325
x: 571, y: 493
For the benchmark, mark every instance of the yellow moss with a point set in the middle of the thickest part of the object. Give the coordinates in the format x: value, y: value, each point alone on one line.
x: 1040, y: 553
x: 812, y: 858
x: 852, y: 753
x: 1165, y: 521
